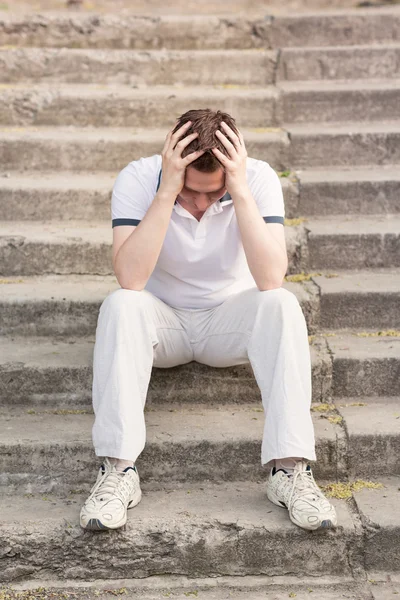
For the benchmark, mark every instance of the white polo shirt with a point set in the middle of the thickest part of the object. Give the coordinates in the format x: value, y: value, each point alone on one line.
x: 201, y: 263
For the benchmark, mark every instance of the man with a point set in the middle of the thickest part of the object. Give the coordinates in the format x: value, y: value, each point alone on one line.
x: 199, y: 251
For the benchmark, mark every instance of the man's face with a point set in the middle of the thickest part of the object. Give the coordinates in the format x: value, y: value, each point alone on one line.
x: 201, y: 190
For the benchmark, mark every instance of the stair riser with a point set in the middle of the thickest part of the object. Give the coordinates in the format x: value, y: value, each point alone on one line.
x: 326, y: 198
x: 200, y: 548
x: 70, y: 318
x: 342, y: 197
x: 132, y: 68
x: 38, y: 107
x: 67, y: 387
x: 342, y: 150
x: 21, y: 257
x: 29, y: 152
x: 330, y: 106
x: 134, y: 32
x: 300, y: 64
x: 379, y: 311
x: 364, y: 251
x: 75, y: 465
x: 102, y: 31
x: 359, y: 378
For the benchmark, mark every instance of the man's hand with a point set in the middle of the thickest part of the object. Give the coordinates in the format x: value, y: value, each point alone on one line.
x: 173, y: 165
x: 235, y: 164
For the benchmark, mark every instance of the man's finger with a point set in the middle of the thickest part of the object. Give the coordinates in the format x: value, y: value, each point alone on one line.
x: 192, y: 156
x: 232, y: 135
x: 186, y: 141
x: 227, y: 143
x: 179, y: 132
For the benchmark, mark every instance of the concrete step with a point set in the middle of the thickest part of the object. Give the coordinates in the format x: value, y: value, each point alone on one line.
x: 110, y: 148
x: 339, y: 62
x: 133, y: 67
x: 352, y: 242
x: 365, y: 299
x: 215, y: 530
x: 359, y: 190
x: 57, y: 372
x: 84, y: 197
x: 221, y: 588
x: 301, y: 146
x: 343, y: 144
x: 340, y: 242
x: 70, y: 195
x: 127, y: 106
x: 67, y: 305
x: 43, y: 451
x: 102, y: 30
x: 330, y: 101
x: 70, y: 248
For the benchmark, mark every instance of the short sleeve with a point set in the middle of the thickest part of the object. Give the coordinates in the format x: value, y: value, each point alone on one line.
x: 131, y: 196
x: 266, y: 189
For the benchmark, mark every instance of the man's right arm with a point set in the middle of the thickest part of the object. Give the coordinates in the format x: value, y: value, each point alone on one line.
x: 136, y: 249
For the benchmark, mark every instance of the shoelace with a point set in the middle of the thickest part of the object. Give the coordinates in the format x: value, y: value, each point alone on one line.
x: 304, y: 483
x: 112, y: 483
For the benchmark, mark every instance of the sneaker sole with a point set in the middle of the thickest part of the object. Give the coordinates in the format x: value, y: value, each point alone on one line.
x: 97, y: 525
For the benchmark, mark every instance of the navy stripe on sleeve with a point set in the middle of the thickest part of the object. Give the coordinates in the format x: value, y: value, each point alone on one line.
x: 280, y: 220
x: 116, y: 222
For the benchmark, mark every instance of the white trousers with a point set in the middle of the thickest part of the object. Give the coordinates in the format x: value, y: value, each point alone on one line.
x: 136, y: 330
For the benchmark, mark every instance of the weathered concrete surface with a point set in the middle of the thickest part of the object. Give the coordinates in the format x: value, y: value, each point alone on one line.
x: 365, y: 366
x: 129, y: 31
x: 133, y: 67
x: 60, y: 195
x: 68, y: 305
x: 32, y: 196
x: 111, y: 149
x: 344, y: 144
x: 58, y: 372
x: 46, y: 450
x: 348, y: 242
x: 352, y: 62
x: 258, y: 587
x: 35, y: 248
x: 361, y: 191
x: 374, y: 439
x: 329, y: 101
x: 218, y: 530
x: 361, y: 299
x: 347, y: 28
x: 126, y: 106
x: 350, y: 27
x: 380, y: 516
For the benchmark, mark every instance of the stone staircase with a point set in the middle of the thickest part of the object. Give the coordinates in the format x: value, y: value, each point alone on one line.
x: 318, y: 97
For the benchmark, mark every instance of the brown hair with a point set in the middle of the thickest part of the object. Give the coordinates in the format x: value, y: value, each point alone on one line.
x: 205, y: 122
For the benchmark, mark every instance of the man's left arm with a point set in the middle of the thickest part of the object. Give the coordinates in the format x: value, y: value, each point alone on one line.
x: 264, y: 243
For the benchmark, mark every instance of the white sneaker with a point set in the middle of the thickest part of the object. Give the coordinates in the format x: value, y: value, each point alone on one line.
x: 298, y: 492
x: 110, y: 497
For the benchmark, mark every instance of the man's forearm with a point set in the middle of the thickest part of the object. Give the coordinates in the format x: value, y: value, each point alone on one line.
x: 266, y: 258
x: 138, y: 255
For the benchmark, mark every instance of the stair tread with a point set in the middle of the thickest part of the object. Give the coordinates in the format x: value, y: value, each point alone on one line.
x: 353, y: 225
x: 224, y: 504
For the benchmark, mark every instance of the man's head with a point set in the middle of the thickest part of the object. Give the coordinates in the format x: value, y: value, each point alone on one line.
x: 205, y: 177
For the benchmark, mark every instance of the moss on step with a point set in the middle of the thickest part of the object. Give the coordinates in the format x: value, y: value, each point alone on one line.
x: 345, y: 490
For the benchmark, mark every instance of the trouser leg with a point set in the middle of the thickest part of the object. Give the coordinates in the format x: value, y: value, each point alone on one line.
x: 269, y: 330
x: 134, y: 330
